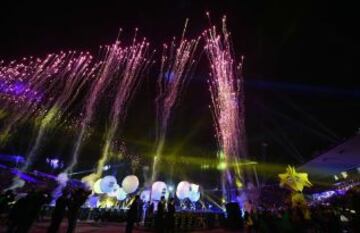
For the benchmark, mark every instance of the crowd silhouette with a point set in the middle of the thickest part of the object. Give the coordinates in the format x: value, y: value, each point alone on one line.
x: 26, y: 210
x: 337, y: 214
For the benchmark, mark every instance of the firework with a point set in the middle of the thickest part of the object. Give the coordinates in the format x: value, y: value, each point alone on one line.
x: 120, y: 64
x: 43, y: 89
x: 225, y: 86
x: 26, y: 86
x: 133, y: 62
x: 177, y: 62
x: 73, y: 76
x: 107, y: 67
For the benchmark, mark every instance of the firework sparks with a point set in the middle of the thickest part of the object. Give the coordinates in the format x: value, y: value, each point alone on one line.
x: 44, y: 89
x: 177, y: 62
x: 122, y: 65
x: 225, y: 86
x: 74, y: 75
x: 25, y: 85
x: 134, y: 62
x: 103, y: 77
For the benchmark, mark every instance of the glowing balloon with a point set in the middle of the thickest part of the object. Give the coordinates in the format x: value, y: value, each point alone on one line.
x: 158, y: 190
x: 97, y: 188
x: 114, y: 191
x: 107, y: 184
x: 121, y: 194
x: 183, y: 190
x: 145, y: 195
x: 194, y: 196
x: 194, y: 188
x: 130, y: 184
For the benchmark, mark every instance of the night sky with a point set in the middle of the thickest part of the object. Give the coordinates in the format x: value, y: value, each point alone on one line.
x: 301, y: 66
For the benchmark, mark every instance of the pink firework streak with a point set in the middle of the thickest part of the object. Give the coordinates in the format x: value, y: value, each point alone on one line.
x: 29, y: 86
x: 132, y: 64
x: 112, y: 67
x: 177, y: 63
x: 73, y: 76
x: 107, y: 68
x: 225, y: 85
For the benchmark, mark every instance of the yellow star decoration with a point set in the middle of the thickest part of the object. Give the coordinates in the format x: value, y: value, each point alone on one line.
x: 295, y: 181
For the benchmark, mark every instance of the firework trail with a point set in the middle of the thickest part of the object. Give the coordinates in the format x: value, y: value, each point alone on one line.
x: 32, y: 87
x: 133, y: 62
x: 116, y: 61
x: 177, y: 62
x: 18, y: 95
x: 227, y: 95
x: 103, y: 78
x: 28, y: 87
x: 74, y: 75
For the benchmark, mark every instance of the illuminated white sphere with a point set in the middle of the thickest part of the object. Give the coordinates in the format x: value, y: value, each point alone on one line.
x: 130, y: 184
x: 114, y: 191
x: 97, y: 188
x: 121, y: 194
x: 107, y: 184
x: 183, y: 190
x: 194, y: 188
x: 194, y: 196
x: 158, y: 190
x: 145, y: 195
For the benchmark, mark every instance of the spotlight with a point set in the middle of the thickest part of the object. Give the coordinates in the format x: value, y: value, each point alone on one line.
x: 171, y: 188
x: 222, y: 166
x: 336, y: 177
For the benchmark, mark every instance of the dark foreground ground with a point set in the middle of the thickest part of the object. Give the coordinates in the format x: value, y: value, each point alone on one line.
x: 82, y: 227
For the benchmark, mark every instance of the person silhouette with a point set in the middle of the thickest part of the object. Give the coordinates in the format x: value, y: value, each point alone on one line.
x: 35, y: 202
x: 78, y: 198
x: 59, y: 211
x: 17, y: 213
x: 5, y: 199
x: 132, y: 214
x: 170, y: 216
x: 159, y: 217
